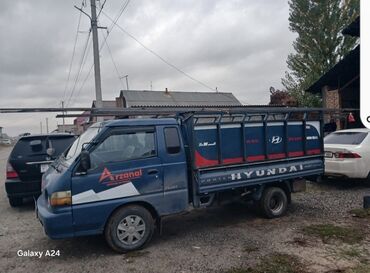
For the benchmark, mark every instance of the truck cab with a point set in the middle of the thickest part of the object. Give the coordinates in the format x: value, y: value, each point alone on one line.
x: 138, y: 162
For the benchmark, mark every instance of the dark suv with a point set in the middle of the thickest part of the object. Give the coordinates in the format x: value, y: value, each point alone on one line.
x: 29, y: 159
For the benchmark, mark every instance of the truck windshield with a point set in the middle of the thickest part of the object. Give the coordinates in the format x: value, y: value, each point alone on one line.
x: 76, y: 147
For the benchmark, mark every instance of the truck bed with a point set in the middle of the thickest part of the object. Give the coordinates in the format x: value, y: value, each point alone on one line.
x: 230, y: 150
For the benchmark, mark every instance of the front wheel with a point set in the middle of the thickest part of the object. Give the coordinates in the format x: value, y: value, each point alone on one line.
x: 129, y: 228
x: 274, y: 202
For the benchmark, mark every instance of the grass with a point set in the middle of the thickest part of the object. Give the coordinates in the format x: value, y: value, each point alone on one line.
x: 275, y: 263
x: 360, y: 213
x: 328, y: 232
x: 352, y: 252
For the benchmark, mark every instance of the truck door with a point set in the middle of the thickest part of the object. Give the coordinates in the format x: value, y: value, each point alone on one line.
x: 124, y: 164
x: 174, y: 169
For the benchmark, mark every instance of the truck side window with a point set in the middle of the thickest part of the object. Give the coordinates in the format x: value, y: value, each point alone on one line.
x: 172, y: 140
x: 124, y: 146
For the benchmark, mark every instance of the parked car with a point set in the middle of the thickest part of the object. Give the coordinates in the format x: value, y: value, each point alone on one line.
x: 121, y: 177
x: 6, y: 141
x: 347, y: 154
x: 29, y: 159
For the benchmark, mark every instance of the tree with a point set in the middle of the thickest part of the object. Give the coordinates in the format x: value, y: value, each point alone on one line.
x: 320, y: 43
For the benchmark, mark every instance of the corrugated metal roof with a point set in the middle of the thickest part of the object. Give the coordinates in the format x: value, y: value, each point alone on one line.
x: 177, y: 98
x: 106, y: 104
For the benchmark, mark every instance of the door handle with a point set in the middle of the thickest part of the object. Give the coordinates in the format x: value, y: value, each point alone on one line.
x: 152, y: 171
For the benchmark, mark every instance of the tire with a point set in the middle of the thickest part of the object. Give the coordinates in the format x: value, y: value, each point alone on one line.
x: 274, y: 202
x: 15, y: 202
x: 129, y: 228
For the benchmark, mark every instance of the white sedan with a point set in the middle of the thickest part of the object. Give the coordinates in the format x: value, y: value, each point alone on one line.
x: 6, y: 141
x: 347, y: 154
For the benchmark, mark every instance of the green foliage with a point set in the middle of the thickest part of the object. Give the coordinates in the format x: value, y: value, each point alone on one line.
x: 328, y: 231
x: 275, y: 263
x: 320, y: 43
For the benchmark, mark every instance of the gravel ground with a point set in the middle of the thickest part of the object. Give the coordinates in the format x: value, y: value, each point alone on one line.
x: 207, y: 240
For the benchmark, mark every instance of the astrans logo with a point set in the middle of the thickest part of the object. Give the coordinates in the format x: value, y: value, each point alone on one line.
x: 112, y: 179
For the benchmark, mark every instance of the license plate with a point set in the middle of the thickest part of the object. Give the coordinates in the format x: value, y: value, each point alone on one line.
x: 328, y: 154
x: 44, y: 167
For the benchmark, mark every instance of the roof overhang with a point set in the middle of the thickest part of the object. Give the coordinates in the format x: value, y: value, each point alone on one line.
x: 353, y: 29
x: 339, y: 75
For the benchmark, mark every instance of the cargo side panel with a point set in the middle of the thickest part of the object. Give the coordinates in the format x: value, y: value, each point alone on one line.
x: 205, y: 141
x: 231, y: 177
x: 232, y: 146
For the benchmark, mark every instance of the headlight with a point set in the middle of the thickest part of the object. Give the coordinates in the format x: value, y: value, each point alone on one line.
x: 60, y: 198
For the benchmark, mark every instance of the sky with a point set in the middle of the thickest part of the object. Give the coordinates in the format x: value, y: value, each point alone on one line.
x: 238, y: 46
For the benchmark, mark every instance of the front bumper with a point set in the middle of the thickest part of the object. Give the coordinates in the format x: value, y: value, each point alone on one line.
x: 18, y: 188
x: 57, y: 224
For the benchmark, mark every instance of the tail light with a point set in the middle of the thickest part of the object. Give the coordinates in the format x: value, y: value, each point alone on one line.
x: 10, y: 172
x: 346, y: 155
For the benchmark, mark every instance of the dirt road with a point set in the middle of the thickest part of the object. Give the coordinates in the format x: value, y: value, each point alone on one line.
x: 223, y: 239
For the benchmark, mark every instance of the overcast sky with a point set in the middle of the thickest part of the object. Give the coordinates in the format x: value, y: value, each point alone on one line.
x: 238, y: 46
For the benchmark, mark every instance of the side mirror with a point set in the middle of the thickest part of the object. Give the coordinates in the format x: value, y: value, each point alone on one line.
x: 85, y: 162
x: 50, y: 151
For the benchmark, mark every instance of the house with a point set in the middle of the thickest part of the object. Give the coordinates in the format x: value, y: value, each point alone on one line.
x: 66, y: 128
x: 137, y: 98
x: 81, y: 123
x: 111, y: 104
x: 144, y: 98
x: 340, y: 86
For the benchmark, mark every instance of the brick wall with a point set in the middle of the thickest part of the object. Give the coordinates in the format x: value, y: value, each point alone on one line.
x: 332, y: 99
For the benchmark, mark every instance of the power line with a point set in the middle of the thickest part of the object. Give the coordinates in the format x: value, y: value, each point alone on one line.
x: 123, y: 8
x: 156, y: 54
x: 82, y: 63
x: 114, y: 64
x: 73, y: 55
x: 101, y: 7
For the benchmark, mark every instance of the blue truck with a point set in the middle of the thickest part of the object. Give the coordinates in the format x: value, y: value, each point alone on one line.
x: 121, y: 177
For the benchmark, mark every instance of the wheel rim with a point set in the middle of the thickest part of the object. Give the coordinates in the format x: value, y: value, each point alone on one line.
x: 131, y: 229
x: 276, y: 203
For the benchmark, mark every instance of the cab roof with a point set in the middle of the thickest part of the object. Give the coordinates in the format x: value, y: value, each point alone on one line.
x: 140, y: 122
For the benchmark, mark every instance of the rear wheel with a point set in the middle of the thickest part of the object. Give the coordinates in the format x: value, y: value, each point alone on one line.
x: 15, y: 201
x: 274, y: 202
x: 129, y: 228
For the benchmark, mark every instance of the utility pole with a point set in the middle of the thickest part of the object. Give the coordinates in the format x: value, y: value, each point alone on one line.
x: 126, y: 76
x: 47, y: 125
x: 94, y: 29
x: 63, y: 117
x: 40, y: 127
